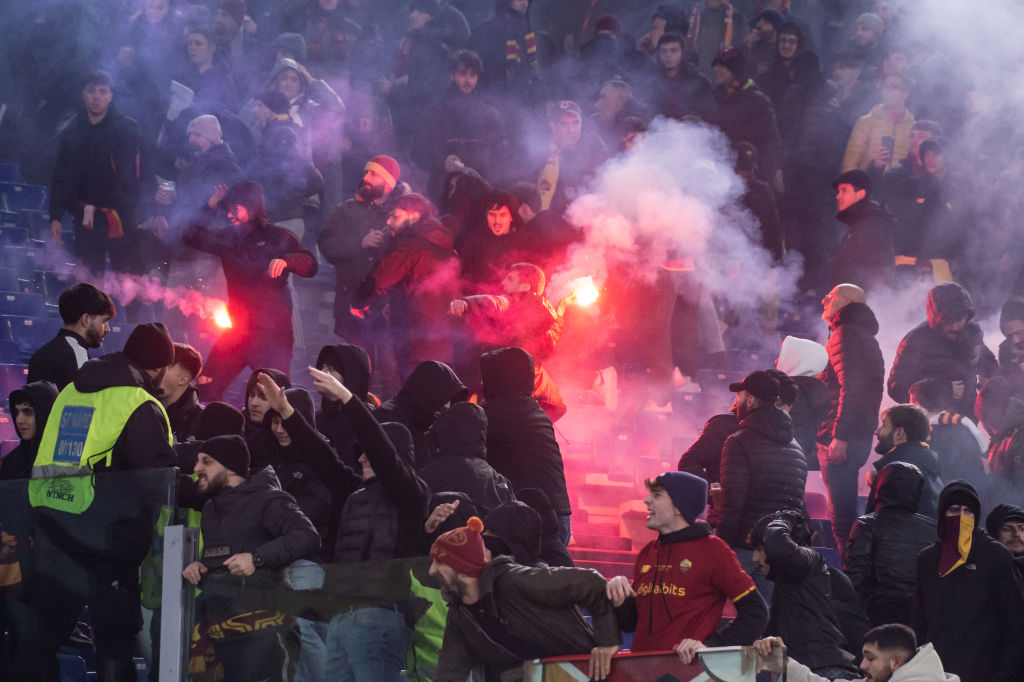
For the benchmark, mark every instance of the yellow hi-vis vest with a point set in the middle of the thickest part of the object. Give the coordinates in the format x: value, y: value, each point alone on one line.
x: 83, y: 428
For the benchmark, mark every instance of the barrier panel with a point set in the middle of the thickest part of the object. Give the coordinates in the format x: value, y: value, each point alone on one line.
x: 716, y: 664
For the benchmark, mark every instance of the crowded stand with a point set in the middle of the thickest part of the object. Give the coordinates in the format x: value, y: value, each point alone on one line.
x: 480, y: 340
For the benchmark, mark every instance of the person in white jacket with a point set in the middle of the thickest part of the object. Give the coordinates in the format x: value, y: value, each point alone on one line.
x: 890, y: 655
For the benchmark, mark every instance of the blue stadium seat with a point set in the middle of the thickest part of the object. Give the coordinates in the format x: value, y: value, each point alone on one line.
x: 8, y: 218
x: 36, y: 222
x: 9, y: 354
x: 717, y: 380
x: 29, y: 332
x: 72, y: 668
x: 10, y: 172
x: 24, y: 305
x: 24, y: 259
x: 11, y: 377
x: 16, y: 197
x: 51, y: 284
x: 739, y: 360
x: 9, y: 280
x: 699, y: 405
x: 115, y: 338
x: 14, y: 236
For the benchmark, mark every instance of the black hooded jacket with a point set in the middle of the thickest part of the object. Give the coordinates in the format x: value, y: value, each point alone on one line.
x: 294, y: 464
x: 459, y: 462
x: 258, y: 303
x: 884, y: 543
x: 855, y: 376
x: 801, y: 610
x: 926, y: 461
x: 40, y: 395
x: 422, y: 396
x: 763, y: 471
x: 184, y: 414
x: 353, y: 363
x: 924, y: 353
x: 384, y: 518
x: 974, y: 615
x: 519, y: 530
x: 520, y: 438
x: 256, y: 516
x: 704, y: 457
x: 999, y: 515
x: 865, y: 256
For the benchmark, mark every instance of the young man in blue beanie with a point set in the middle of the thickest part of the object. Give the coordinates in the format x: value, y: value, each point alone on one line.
x: 684, y: 577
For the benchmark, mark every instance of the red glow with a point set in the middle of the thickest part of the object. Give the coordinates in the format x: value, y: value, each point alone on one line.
x: 584, y: 292
x: 221, y: 318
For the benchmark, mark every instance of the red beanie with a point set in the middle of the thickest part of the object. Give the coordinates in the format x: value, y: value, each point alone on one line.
x: 462, y: 548
x: 387, y: 168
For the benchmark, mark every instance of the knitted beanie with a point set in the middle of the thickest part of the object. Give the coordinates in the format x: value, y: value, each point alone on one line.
x: 150, y: 346
x: 462, y: 549
x: 230, y: 451
x: 387, y: 168
x: 689, y: 493
x: 206, y: 126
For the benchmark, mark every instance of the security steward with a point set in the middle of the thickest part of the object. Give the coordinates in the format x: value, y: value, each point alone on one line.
x: 108, y: 419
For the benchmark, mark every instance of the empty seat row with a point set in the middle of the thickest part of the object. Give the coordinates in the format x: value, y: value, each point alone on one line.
x: 15, y: 197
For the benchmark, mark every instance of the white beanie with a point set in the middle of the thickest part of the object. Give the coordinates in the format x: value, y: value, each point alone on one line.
x: 206, y: 126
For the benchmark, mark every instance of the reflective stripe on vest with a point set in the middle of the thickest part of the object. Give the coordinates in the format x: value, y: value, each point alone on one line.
x: 83, y: 428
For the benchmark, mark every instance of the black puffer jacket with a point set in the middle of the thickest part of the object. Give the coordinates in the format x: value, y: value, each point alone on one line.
x: 924, y: 458
x: 459, y: 462
x: 353, y: 363
x: 422, y: 396
x: 855, y: 376
x: 924, y: 353
x: 384, y: 518
x: 974, y: 615
x: 801, y: 609
x: 813, y: 402
x: 704, y: 457
x: 40, y: 395
x: 520, y: 438
x: 257, y: 516
x: 763, y: 471
x: 884, y: 543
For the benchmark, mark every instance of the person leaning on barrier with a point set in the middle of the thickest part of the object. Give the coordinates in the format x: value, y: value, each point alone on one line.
x: 890, y: 654
x: 249, y: 524
x: 684, y: 577
x: 502, y: 613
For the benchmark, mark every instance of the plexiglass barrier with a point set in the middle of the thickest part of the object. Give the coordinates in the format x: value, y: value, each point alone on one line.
x: 303, y: 622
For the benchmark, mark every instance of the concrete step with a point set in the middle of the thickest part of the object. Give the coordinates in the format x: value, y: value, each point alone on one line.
x: 608, y: 542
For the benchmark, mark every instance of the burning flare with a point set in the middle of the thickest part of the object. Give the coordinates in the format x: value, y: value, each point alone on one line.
x: 221, y: 317
x: 584, y: 292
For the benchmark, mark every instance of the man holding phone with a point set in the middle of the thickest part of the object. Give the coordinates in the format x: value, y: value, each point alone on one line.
x: 881, y: 139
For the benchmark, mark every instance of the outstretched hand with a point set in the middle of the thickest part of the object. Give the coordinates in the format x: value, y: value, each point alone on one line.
x: 218, y: 195
x: 440, y: 515
x: 325, y: 384
x: 275, y: 395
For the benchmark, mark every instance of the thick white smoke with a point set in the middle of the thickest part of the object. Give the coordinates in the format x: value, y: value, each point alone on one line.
x: 674, y: 197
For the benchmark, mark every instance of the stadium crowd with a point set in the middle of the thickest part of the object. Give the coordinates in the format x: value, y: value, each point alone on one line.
x: 430, y: 153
